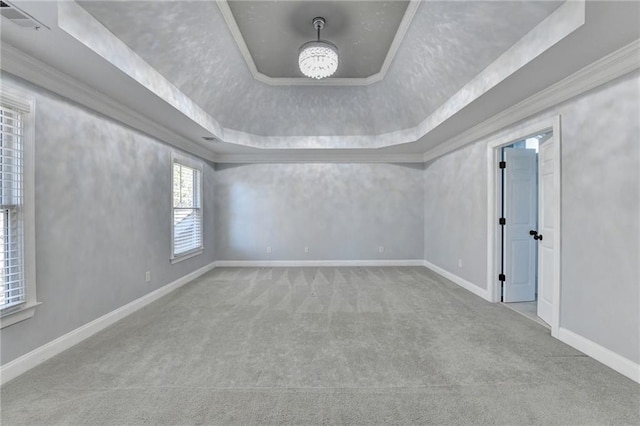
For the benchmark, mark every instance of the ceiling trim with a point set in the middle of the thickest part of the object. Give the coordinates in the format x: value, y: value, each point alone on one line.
x: 563, y: 21
x: 84, y: 28
x: 74, y: 20
x: 612, y: 66
x: 409, y: 13
x: 322, y: 157
x: 617, y: 64
x: 18, y: 63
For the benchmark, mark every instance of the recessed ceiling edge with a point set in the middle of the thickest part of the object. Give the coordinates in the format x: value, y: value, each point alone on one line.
x: 229, y: 19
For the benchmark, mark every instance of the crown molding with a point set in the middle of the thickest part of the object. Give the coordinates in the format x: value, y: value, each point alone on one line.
x: 334, y: 156
x: 623, y: 61
x: 612, y: 66
x: 18, y: 63
x: 558, y: 25
x: 409, y: 13
x: 81, y: 25
x: 615, y: 65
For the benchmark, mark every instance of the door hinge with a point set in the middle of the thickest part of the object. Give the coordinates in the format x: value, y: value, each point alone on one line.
x: 501, y: 277
x: 502, y: 221
x: 502, y: 164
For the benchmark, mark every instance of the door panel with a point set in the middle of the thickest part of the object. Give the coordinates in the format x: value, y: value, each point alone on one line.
x: 520, y: 211
x: 548, y: 204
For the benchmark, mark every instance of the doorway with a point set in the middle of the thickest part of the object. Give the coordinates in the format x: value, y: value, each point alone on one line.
x: 518, y: 226
x: 524, y: 222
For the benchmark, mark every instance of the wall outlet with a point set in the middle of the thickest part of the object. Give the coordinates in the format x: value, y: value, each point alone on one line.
x: 268, y: 249
x: 459, y: 263
x: 147, y: 276
x: 306, y: 249
x: 380, y: 249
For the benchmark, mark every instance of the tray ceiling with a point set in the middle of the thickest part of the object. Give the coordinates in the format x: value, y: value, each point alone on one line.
x: 447, y: 44
x: 269, y: 34
x: 175, y: 71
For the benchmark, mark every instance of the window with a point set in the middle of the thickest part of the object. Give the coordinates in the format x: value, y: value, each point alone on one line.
x: 12, y: 280
x: 186, y: 228
x: 17, y: 254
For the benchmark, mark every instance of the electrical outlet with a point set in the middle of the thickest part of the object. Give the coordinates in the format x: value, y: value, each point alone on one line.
x: 381, y: 249
x: 306, y: 249
x: 459, y: 263
x: 268, y: 249
x: 147, y: 276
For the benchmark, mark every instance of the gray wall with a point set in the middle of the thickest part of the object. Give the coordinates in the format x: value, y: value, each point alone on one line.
x: 103, y: 216
x: 600, y: 289
x: 340, y: 211
x: 455, y: 225
x: 102, y: 219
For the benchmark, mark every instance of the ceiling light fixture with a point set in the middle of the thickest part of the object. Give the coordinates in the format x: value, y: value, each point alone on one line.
x: 318, y: 58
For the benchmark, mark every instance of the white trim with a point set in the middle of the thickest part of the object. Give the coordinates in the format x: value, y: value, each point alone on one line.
x: 617, y: 362
x: 316, y: 263
x: 232, y: 25
x: 185, y: 160
x: 18, y: 63
x: 187, y: 255
x: 537, y: 127
x: 467, y: 285
x: 612, y: 66
x: 25, y: 102
x: 39, y: 355
x: 78, y: 23
x: 320, y: 157
x: 563, y: 21
x: 21, y: 313
x: 604, y: 70
x: 15, y: 98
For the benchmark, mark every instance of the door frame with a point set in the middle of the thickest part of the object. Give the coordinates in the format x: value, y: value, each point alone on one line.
x: 493, y: 208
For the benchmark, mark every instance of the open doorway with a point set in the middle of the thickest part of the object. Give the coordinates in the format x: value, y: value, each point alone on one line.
x: 524, y: 222
x: 518, y: 225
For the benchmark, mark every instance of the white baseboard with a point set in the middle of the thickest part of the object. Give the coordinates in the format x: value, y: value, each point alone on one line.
x: 609, y: 358
x: 37, y: 356
x: 467, y: 285
x: 316, y: 263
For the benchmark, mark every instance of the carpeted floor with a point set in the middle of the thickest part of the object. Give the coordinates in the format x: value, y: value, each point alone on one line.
x: 304, y: 346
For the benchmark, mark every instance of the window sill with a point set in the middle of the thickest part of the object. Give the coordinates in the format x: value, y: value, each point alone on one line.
x: 186, y: 256
x: 13, y: 317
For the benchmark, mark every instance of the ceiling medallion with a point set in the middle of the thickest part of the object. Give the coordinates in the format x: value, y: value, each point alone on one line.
x: 318, y: 58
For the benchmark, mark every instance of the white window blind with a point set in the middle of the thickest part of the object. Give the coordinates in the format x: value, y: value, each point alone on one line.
x: 12, y: 277
x: 187, y: 209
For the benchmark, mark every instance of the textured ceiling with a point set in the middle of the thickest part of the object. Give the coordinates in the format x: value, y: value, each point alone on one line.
x: 447, y: 44
x: 274, y: 30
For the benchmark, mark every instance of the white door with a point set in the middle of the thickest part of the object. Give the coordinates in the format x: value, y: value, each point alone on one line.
x: 520, y: 211
x: 546, y: 229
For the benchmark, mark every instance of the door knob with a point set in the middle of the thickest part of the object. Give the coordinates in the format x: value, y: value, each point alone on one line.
x: 535, y: 235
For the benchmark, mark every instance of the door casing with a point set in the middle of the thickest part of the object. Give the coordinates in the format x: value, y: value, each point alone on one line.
x: 493, y: 208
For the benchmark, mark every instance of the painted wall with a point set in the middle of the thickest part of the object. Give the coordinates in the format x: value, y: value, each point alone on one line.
x: 103, y: 218
x: 339, y: 211
x: 455, y: 227
x: 600, y: 293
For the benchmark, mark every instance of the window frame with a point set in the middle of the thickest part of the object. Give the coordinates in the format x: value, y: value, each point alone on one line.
x: 196, y: 165
x: 15, y: 98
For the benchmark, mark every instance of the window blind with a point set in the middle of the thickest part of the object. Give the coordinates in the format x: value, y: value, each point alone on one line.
x: 187, y: 211
x: 12, y: 282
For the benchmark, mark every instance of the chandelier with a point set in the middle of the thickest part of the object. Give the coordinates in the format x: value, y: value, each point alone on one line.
x: 318, y: 58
